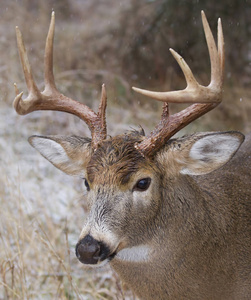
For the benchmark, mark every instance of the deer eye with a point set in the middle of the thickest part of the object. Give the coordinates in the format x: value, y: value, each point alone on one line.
x: 142, y: 185
x: 87, y: 185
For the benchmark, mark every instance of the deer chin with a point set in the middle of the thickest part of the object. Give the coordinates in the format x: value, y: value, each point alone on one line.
x: 99, y: 264
x: 140, y: 253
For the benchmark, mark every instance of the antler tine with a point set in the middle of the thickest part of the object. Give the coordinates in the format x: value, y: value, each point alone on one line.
x: 194, y: 92
x: 48, y: 57
x: 102, y: 106
x: 215, y: 59
x: 101, y: 135
x: 206, y: 98
x: 51, y: 98
x: 175, y: 96
x: 31, y: 85
x: 221, y: 50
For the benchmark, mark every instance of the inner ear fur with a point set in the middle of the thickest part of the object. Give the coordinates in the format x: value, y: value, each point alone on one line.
x: 68, y: 153
x: 200, y: 153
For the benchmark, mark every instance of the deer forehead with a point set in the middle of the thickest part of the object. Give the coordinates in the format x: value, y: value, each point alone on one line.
x: 118, y: 161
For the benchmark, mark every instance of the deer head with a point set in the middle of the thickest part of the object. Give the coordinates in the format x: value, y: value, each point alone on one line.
x: 130, y: 178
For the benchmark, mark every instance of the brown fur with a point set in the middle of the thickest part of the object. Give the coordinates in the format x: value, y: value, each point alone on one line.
x: 196, y: 227
x: 204, y: 252
x: 117, y: 156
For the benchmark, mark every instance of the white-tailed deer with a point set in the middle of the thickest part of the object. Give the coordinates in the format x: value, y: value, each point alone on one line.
x: 171, y: 216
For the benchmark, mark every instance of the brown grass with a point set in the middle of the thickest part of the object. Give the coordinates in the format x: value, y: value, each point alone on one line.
x: 42, y: 212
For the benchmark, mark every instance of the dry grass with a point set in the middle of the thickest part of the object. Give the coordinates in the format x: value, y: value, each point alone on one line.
x: 40, y: 206
x: 42, y: 212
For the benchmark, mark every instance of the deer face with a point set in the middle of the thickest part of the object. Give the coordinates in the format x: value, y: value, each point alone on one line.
x: 126, y: 191
x: 121, y: 186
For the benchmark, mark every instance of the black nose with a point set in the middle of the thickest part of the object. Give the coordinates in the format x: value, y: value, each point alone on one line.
x: 90, y: 251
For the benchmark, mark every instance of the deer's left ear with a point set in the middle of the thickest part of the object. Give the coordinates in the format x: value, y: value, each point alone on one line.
x: 69, y: 154
x: 201, y: 153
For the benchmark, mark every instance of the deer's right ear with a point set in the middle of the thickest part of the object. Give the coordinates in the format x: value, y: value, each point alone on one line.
x: 70, y: 154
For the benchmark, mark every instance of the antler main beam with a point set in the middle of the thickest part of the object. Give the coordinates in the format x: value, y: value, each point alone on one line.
x: 51, y: 98
x: 206, y: 98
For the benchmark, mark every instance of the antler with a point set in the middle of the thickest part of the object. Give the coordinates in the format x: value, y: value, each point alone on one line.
x: 51, y: 98
x: 206, y: 98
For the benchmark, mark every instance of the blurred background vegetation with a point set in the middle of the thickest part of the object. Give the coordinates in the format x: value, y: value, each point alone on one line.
x: 122, y: 44
x: 126, y: 43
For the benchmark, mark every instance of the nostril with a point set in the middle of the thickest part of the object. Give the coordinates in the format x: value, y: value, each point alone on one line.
x: 88, y: 250
x: 96, y: 255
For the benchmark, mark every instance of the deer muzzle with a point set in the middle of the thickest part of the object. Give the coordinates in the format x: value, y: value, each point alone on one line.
x: 90, y: 251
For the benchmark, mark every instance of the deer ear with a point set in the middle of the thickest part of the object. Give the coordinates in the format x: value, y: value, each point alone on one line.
x: 201, y: 153
x: 208, y: 152
x: 69, y: 154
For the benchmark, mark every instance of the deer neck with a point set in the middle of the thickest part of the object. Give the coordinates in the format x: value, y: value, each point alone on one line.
x: 176, y: 247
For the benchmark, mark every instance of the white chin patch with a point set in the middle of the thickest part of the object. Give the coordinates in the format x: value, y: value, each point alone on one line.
x: 135, y: 254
